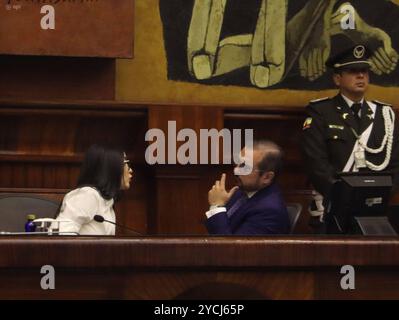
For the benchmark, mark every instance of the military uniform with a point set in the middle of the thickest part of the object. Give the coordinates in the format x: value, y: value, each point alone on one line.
x: 340, y: 135
x: 329, y: 139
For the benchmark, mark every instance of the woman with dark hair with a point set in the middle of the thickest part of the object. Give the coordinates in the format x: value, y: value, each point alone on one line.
x: 103, y: 174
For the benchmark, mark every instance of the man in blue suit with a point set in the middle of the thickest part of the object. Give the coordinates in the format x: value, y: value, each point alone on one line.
x: 255, y: 206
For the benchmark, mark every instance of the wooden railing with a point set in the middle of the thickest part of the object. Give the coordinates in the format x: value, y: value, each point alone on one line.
x: 199, y: 267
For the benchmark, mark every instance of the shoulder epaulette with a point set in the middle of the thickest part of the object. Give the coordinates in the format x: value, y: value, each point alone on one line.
x: 320, y: 100
x: 382, y: 103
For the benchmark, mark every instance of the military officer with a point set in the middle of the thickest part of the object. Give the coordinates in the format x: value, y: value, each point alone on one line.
x: 346, y: 132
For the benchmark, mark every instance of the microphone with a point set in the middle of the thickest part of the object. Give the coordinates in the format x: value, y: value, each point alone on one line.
x: 101, y: 219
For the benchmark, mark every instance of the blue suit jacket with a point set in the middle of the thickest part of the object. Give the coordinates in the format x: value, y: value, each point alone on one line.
x: 264, y: 213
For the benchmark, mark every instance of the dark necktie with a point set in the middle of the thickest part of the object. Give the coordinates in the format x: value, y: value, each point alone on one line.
x: 237, y: 205
x: 356, y: 108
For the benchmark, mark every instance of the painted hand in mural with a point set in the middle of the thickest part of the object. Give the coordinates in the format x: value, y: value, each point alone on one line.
x: 312, y: 61
x: 385, y: 57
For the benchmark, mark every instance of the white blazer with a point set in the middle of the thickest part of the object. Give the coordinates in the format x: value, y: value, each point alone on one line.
x: 79, y: 206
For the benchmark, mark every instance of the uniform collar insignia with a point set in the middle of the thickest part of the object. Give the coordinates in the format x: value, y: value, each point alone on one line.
x: 370, y: 113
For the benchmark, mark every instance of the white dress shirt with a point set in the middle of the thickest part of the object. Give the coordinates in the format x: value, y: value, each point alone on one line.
x: 350, y: 103
x: 79, y: 208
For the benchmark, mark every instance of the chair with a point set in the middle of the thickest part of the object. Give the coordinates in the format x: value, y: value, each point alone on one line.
x: 15, y: 207
x: 294, y: 211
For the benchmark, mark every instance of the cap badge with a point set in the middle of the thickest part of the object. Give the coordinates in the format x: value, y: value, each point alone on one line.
x: 359, y: 51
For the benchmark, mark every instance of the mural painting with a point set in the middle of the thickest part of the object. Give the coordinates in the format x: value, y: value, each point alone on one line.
x: 271, y: 44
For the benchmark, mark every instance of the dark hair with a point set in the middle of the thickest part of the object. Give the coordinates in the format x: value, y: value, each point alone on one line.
x: 102, y: 169
x: 273, y: 158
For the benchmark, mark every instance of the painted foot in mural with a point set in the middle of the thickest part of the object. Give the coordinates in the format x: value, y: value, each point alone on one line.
x: 385, y: 57
x: 266, y: 76
x: 233, y: 53
x: 268, y: 46
x: 202, y: 66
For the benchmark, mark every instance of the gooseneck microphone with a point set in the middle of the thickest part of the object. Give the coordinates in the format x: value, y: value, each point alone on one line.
x: 101, y: 219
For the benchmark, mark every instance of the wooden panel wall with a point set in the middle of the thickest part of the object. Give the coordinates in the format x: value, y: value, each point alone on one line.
x: 216, y: 268
x: 180, y: 189
x: 54, y: 78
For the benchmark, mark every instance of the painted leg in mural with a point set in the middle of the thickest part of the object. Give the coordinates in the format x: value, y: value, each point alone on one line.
x: 312, y: 60
x: 204, y: 37
x: 385, y: 57
x: 268, y: 46
x: 208, y: 55
x: 308, y: 38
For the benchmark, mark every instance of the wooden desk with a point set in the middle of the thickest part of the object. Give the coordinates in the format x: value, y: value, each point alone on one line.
x: 199, y: 267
